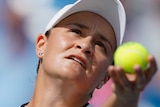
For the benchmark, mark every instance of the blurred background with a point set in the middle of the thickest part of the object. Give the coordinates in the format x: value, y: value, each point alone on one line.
x: 22, y: 20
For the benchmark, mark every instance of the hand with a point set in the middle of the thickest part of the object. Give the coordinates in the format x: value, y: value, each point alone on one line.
x: 127, y: 87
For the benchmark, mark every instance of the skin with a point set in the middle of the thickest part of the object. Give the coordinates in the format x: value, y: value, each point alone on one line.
x: 127, y: 88
x: 60, y: 78
x: 64, y: 82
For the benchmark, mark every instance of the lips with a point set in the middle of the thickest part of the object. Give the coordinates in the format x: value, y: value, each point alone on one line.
x: 78, y: 59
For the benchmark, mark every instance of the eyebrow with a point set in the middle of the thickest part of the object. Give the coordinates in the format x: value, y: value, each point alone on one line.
x: 79, y: 25
x: 102, y: 37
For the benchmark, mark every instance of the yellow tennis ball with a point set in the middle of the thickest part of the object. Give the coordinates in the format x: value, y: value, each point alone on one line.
x: 129, y: 54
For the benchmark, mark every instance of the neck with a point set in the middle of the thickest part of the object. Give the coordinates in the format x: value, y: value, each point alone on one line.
x: 55, y: 92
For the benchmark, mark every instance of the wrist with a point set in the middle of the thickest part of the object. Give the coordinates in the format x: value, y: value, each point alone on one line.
x: 126, y: 101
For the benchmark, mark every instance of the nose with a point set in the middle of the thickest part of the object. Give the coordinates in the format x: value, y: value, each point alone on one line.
x: 85, y: 45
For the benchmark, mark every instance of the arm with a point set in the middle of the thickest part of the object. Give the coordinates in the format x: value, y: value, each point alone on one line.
x: 127, y: 88
x: 114, y: 101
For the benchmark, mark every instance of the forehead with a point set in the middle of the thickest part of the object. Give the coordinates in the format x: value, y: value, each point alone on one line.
x: 86, y: 16
x: 94, y: 22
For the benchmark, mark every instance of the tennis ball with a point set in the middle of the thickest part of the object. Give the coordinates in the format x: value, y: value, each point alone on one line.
x: 129, y: 54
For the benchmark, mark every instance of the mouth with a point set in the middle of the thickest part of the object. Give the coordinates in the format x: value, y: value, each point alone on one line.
x: 79, y: 60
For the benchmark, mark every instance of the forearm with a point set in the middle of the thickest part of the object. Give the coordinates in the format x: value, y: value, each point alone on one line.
x: 113, y: 101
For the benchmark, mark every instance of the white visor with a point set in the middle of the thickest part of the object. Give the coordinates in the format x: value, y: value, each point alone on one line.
x: 112, y: 10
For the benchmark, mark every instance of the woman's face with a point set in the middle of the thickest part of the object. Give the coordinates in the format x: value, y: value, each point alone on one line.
x: 79, y: 49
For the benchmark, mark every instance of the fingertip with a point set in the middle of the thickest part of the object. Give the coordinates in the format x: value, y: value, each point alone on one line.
x: 118, y: 67
x: 110, y: 66
x: 137, y: 67
x: 110, y: 69
x: 152, y: 61
x: 151, y: 57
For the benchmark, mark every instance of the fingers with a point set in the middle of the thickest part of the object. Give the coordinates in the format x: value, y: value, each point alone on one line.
x: 114, y: 76
x: 141, y: 79
x: 123, y: 82
x: 144, y: 77
x: 152, y: 69
x: 120, y: 79
x: 129, y: 86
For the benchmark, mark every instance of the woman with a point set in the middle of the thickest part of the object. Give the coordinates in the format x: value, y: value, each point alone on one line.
x: 75, y: 53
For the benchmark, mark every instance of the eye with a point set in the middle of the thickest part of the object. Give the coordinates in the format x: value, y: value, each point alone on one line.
x: 101, y: 45
x: 77, y: 31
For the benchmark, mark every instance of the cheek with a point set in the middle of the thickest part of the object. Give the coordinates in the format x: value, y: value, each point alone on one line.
x: 100, y: 65
x: 98, y: 72
x: 56, y: 46
x: 58, y: 43
x: 101, y: 61
x: 63, y: 43
x: 54, y: 53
